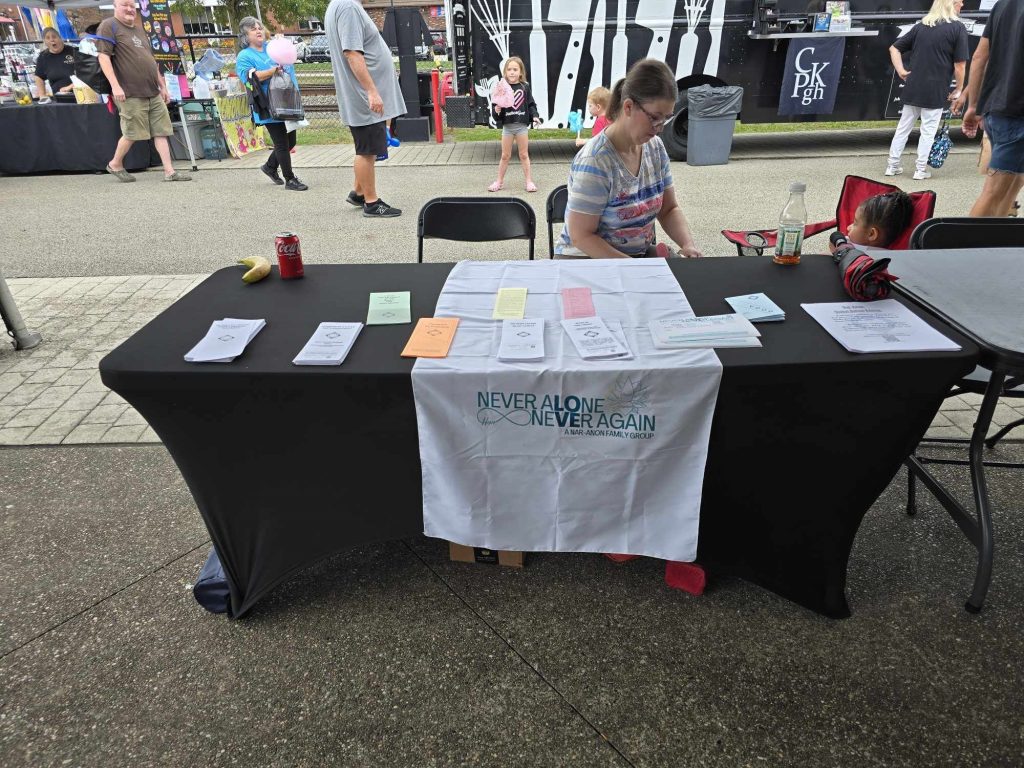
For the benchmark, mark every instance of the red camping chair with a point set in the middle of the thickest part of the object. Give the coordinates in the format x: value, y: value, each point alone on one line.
x: 856, y: 189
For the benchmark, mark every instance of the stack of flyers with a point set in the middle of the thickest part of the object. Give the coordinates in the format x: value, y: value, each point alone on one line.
x: 594, y: 340
x: 757, y: 308
x: 522, y: 341
x: 329, y: 344
x: 225, y: 340
x: 710, y: 331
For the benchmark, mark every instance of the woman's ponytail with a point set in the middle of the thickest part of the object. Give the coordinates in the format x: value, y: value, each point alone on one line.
x: 615, y: 100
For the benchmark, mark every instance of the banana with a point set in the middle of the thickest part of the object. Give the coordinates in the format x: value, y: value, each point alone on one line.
x: 259, y: 267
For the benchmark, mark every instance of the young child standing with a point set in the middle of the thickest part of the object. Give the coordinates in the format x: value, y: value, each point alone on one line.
x: 597, y: 103
x: 515, y: 121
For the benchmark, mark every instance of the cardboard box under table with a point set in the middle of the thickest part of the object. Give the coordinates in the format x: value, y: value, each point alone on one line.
x: 463, y: 554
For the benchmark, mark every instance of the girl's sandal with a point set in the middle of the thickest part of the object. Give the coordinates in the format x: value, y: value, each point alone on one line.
x: 497, y: 185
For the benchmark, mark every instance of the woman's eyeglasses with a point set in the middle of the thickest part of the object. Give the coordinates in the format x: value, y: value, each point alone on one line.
x: 656, y: 122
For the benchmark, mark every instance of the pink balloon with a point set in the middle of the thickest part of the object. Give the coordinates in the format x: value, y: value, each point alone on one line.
x: 282, y: 51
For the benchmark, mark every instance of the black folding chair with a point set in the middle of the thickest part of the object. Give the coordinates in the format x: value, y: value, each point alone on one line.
x: 966, y: 232
x: 557, y: 201
x: 556, y: 214
x: 476, y: 219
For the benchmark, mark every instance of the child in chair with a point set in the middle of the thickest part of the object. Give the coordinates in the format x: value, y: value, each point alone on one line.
x: 879, y: 220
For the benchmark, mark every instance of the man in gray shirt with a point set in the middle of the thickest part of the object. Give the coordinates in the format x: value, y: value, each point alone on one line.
x: 368, y: 95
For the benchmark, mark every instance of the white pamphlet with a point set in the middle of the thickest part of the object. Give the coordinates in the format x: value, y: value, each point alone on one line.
x: 225, y: 340
x: 329, y: 344
x: 710, y: 331
x: 593, y: 339
x: 878, y: 326
x: 734, y: 341
x: 757, y: 308
x: 620, y: 336
x: 522, y: 340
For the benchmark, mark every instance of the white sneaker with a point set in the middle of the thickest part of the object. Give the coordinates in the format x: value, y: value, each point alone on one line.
x: 893, y: 170
x: 921, y: 175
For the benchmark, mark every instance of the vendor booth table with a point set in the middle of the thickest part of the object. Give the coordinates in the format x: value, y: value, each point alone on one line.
x: 290, y: 464
x: 977, y: 291
x: 43, y: 138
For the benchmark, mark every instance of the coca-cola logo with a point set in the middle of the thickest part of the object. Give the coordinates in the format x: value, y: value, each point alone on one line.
x: 290, y: 250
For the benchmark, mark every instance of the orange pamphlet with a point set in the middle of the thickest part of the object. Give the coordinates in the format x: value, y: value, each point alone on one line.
x: 431, y: 337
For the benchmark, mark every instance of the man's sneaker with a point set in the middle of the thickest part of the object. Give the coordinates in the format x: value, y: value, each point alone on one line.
x: 294, y: 184
x: 921, y: 175
x: 380, y: 209
x: 355, y: 199
x: 893, y: 170
x: 272, y: 173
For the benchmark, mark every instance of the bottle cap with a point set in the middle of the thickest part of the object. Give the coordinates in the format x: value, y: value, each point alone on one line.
x: 797, y: 186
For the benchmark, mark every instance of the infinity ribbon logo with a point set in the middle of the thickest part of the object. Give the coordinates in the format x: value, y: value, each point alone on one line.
x: 520, y: 417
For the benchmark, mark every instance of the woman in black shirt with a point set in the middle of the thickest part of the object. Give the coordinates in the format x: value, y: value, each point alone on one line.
x: 56, y: 64
x: 938, y: 45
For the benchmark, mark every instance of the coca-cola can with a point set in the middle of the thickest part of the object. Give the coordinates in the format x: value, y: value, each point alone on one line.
x: 289, y: 254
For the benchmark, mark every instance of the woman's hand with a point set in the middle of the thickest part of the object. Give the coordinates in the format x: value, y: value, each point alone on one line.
x: 691, y: 251
x: 66, y: 89
x: 959, y: 100
x: 536, y: 122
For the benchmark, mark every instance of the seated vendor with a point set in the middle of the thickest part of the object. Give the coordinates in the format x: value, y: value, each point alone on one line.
x: 620, y: 182
x: 56, y: 64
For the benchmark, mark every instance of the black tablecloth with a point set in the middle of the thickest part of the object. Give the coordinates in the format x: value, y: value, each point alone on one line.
x: 44, y: 138
x: 291, y: 464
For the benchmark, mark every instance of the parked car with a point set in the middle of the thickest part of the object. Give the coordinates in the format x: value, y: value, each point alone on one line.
x: 421, y: 52
x: 317, y: 49
x: 440, y: 44
x: 301, y: 48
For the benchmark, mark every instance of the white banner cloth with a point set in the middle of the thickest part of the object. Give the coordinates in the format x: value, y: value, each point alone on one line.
x: 565, y: 454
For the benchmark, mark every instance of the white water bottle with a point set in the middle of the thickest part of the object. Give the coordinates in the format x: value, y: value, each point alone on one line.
x: 791, y: 226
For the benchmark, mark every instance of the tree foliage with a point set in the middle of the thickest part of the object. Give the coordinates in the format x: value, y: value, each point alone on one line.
x: 277, y: 14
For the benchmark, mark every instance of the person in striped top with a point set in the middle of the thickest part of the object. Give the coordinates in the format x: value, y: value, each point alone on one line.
x: 620, y: 183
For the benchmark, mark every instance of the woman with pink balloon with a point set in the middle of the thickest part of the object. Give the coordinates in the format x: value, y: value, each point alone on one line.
x: 263, y: 62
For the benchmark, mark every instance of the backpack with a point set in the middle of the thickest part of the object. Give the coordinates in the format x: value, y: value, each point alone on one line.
x: 211, y: 588
x: 941, y: 146
x: 284, y: 97
x: 87, y: 65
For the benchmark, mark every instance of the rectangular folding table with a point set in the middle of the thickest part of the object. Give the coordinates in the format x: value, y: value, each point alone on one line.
x: 978, y: 292
x: 289, y: 465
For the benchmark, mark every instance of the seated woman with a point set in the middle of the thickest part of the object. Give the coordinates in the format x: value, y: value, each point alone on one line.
x: 620, y: 182
x: 56, y: 64
x: 879, y: 220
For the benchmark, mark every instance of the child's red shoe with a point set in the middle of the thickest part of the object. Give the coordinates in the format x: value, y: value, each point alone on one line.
x: 621, y: 558
x: 688, y: 577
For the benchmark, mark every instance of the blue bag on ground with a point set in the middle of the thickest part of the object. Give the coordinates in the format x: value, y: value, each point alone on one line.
x: 211, y: 588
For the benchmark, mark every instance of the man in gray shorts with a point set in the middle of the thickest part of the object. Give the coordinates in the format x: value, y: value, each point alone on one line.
x: 368, y: 95
x: 138, y: 89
